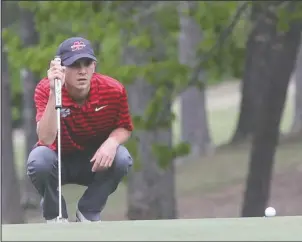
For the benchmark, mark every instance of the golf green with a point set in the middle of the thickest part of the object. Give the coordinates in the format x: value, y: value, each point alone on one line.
x: 273, y: 229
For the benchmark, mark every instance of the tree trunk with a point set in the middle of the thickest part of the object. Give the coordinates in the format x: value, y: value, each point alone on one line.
x: 251, y: 82
x: 274, y: 71
x: 151, y: 188
x: 29, y: 35
x: 297, y: 121
x: 195, y: 130
x: 10, y: 201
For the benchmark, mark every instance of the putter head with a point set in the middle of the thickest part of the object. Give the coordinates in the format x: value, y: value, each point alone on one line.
x: 57, y: 220
x: 61, y: 220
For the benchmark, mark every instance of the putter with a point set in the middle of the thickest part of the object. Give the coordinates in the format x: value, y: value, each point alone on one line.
x: 58, y: 96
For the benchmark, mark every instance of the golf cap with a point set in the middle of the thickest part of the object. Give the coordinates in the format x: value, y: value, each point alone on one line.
x: 72, y: 49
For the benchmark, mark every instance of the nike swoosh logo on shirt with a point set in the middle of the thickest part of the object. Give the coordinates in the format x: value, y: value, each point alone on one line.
x: 99, y: 108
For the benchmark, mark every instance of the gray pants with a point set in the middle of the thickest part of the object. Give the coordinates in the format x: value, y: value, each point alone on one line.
x: 42, y: 170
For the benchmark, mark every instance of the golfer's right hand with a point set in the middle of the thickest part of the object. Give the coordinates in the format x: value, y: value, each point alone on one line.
x: 56, y: 71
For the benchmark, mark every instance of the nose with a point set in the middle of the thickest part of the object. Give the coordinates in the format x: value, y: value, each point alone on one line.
x: 82, y: 68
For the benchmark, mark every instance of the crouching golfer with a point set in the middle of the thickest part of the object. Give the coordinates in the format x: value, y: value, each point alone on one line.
x: 95, y: 122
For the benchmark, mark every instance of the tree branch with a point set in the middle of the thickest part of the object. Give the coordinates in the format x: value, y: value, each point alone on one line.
x: 146, y: 8
x: 166, y: 105
x: 222, y: 38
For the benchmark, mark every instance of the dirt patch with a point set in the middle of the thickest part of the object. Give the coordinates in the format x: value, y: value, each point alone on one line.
x: 286, y: 198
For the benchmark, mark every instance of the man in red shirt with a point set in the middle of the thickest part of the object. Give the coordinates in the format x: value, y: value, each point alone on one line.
x: 95, y: 122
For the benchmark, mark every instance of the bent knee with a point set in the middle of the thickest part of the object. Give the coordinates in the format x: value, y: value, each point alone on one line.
x: 123, y: 160
x: 41, y: 160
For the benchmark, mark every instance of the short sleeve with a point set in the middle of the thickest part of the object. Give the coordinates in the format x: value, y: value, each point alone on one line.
x: 41, y: 98
x: 124, y: 120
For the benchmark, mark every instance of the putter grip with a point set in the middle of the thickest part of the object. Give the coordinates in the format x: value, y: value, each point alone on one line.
x: 58, y: 88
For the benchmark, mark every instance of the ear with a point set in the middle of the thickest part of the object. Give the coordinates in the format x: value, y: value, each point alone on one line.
x: 94, y: 66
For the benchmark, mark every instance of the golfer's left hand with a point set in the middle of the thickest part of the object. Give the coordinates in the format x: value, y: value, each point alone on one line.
x: 104, y: 156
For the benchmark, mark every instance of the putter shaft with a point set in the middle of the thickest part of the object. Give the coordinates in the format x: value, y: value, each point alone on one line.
x: 58, y: 96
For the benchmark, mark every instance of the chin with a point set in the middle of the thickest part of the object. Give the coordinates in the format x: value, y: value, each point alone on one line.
x: 82, y: 86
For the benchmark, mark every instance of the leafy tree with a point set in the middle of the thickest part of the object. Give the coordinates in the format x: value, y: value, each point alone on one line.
x: 10, y: 199
x: 29, y: 79
x: 252, y: 84
x: 281, y: 36
x: 193, y: 114
x: 153, y: 38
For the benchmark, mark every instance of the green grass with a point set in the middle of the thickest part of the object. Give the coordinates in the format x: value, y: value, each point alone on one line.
x: 236, y: 229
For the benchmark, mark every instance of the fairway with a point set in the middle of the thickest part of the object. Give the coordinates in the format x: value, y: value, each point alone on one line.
x: 277, y: 228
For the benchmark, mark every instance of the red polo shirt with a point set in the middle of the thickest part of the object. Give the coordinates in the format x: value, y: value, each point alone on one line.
x: 90, y: 124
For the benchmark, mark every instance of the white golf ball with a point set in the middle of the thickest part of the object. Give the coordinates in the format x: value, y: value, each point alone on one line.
x: 270, y: 212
